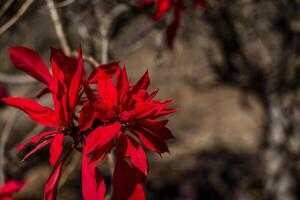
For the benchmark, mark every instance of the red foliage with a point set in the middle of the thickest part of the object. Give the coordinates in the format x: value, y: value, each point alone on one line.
x: 118, y: 116
x: 162, y: 7
x: 9, y: 188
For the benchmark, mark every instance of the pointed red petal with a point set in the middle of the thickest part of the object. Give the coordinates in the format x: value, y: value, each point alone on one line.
x: 76, y: 82
x: 87, y: 116
x: 30, y: 62
x: 93, y: 186
x: 125, y: 183
x: 157, y: 127
x: 56, y: 148
x: 137, y: 155
x: 152, y: 142
x: 101, y: 136
x: 143, y: 83
x: 35, y: 139
x: 59, y: 95
x: 51, y: 186
x: 123, y: 85
x: 110, y: 69
x: 38, y: 147
x: 107, y: 91
x: 35, y: 111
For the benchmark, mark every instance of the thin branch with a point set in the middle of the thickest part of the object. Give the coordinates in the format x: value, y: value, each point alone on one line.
x: 105, y: 23
x: 5, y: 6
x: 89, y: 59
x: 16, y: 17
x: 58, y: 27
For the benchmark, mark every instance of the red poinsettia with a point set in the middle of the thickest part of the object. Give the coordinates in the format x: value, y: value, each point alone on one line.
x: 10, y: 188
x: 119, y: 116
x: 127, y: 115
x: 164, y: 6
x: 65, y: 87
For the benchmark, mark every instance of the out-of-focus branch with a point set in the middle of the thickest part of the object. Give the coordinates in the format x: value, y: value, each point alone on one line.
x: 15, y: 79
x: 5, y: 6
x: 105, y: 24
x: 58, y: 27
x: 87, y: 58
x: 16, y: 17
x: 10, y: 120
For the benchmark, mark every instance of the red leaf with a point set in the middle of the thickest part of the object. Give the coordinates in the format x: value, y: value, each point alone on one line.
x: 101, y: 136
x: 11, y: 187
x: 38, y: 147
x: 35, y: 139
x: 35, y: 111
x: 135, y: 152
x: 110, y: 69
x: 51, y: 186
x: 76, y: 82
x: 142, y: 83
x: 59, y: 96
x: 93, y: 186
x: 152, y: 142
x: 56, y: 148
x: 156, y: 127
x: 125, y: 182
x: 122, y: 86
x: 87, y: 116
x: 30, y: 62
x: 106, y: 90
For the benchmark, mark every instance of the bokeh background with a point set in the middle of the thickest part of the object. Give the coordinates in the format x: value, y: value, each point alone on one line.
x: 233, y: 75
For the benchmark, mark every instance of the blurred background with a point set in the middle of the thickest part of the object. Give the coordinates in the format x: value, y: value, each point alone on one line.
x: 233, y: 75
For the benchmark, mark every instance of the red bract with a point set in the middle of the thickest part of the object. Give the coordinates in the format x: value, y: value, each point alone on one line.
x: 126, y: 113
x: 119, y: 116
x: 164, y: 6
x: 10, y: 188
x: 64, y: 86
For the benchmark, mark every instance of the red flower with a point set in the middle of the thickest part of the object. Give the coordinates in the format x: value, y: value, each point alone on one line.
x: 164, y: 6
x: 64, y: 86
x: 124, y: 112
x: 9, y: 188
x: 118, y: 116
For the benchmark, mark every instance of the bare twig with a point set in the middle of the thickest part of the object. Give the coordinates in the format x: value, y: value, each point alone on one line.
x: 105, y: 23
x: 16, y: 17
x: 5, y: 6
x: 64, y: 3
x: 89, y: 59
x: 58, y: 27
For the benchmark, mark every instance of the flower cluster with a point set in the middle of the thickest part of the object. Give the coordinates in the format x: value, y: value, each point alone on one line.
x: 164, y: 6
x: 102, y: 113
x: 9, y: 188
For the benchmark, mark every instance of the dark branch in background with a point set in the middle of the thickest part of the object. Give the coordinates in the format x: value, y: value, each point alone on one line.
x: 16, y: 17
x: 271, y: 84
